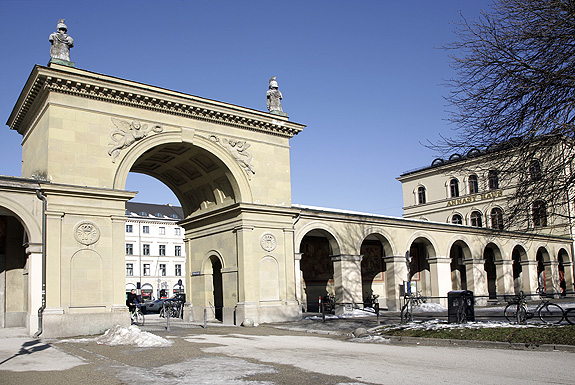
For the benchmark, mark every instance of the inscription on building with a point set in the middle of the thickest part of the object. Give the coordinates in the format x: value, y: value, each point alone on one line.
x: 475, y: 198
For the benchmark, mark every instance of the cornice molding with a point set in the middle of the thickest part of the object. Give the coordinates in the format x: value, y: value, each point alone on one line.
x: 118, y: 91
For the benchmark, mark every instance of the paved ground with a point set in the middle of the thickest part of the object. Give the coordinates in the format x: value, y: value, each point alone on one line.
x: 284, y: 353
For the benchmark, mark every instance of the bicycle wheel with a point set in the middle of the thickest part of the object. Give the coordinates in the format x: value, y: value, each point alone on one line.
x: 551, y: 314
x: 139, y: 317
x: 510, y: 312
x: 570, y: 316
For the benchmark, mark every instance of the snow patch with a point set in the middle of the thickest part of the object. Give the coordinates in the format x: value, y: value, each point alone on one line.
x: 131, y: 335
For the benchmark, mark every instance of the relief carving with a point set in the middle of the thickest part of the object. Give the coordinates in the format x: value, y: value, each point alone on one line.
x: 238, y: 150
x: 127, y: 134
x: 87, y: 233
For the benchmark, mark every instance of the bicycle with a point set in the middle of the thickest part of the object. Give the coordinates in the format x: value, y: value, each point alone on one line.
x: 407, y: 309
x: 136, y: 315
x: 570, y: 316
x: 548, y: 312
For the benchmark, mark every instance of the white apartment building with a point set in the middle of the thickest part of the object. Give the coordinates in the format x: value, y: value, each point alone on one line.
x: 155, y: 254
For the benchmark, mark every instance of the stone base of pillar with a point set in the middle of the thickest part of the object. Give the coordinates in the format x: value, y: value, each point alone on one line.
x: 56, y: 323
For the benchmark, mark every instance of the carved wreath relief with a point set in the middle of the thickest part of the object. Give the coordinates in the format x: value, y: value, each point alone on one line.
x: 238, y: 150
x: 127, y: 134
x: 87, y: 233
x: 268, y: 242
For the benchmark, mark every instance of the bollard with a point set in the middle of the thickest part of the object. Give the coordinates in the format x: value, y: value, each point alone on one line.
x: 322, y: 311
x: 205, y: 318
x: 167, y: 315
x: 376, y: 306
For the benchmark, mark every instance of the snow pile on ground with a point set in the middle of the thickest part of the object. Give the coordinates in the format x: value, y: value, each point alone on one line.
x: 131, y: 335
x: 354, y: 313
x: 429, y: 308
x: 439, y: 324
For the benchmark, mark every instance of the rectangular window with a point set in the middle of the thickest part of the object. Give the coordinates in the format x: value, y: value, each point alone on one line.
x: 146, y: 250
x: 178, y: 231
x: 162, y: 250
x: 178, y: 270
x: 129, y: 269
x: 163, y: 269
x: 178, y: 252
x: 146, y: 229
x: 146, y: 269
x: 129, y: 249
x: 162, y: 231
x: 129, y: 228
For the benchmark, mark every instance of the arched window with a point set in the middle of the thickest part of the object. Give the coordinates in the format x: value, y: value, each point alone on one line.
x: 539, y: 211
x: 421, y: 195
x: 535, y: 170
x: 457, y: 219
x: 497, y: 218
x: 476, y: 219
x: 473, y: 185
x: 454, y: 188
x: 493, y: 180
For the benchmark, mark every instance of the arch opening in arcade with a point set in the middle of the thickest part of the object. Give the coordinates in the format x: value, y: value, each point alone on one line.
x: 317, y: 270
x: 373, y: 248
x: 421, y: 250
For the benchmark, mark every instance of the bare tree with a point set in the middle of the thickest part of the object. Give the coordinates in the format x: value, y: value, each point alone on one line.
x: 513, y: 100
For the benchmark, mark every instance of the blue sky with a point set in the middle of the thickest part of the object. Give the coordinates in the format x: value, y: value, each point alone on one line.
x: 366, y: 77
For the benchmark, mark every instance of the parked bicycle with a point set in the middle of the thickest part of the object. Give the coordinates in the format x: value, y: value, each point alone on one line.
x: 548, y: 312
x: 136, y: 315
x: 172, y: 309
x: 328, y: 302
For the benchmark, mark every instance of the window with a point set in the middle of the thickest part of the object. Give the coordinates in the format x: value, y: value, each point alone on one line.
x: 178, y: 251
x: 476, y: 219
x: 129, y: 249
x: 493, y: 180
x: 163, y: 269
x: 146, y: 269
x: 146, y: 229
x: 473, y: 185
x: 421, y: 195
x: 146, y: 250
x: 129, y: 269
x: 178, y: 270
x: 162, y: 231
x: 539, y: 214
x: 129, y: 228
x: 535, y: 170
x: 457, y: 219
x: 454, y: 188
x: 497, y: 218
x: 162, y: 250
x: 178, y: 231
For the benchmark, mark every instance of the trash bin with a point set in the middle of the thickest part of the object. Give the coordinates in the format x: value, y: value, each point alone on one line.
x: 457, y: 299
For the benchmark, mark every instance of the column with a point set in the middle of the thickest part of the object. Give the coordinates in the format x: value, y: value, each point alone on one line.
x: 552, y: 277
x: 298, y: 280
x: 440, y: 270
x: 529, y: 280
x: 477, y: 279
x: 347, y: 280
x: 504, y: 271
x: 395, y: 275
x: 568, y: 266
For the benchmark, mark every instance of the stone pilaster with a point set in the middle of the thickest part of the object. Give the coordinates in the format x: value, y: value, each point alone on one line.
x: 529, y: 281
x: 477, y: 279
x: 395, y: 275
x: 440, y: 270
x: 347, y: 280
x: 504, y: 270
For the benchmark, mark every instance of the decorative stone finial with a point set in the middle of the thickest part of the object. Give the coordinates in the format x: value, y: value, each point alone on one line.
x: 61, y: 44
x: 274, y: 97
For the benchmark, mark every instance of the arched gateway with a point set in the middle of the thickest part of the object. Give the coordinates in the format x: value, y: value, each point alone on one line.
x: 250, y: 252
x: 229, y: 166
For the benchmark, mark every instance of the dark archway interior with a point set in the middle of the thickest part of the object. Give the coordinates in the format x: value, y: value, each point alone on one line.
x: 419, y: 269
x: 218, y: 291
x: 517, y: 270
x: 372, y: 266
x: 490, y: 269
x: 458, y: 271
x: 198, y: 179
x: 317, y: 268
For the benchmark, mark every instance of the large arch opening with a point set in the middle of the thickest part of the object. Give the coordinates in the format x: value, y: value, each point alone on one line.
x: 317, y: 247
x: 490, y: 255
x: 373, y: 248
x: 421, y: 250
x: 458, y: 253
x: 565, y: 272
x: 544, y: 273
x: 13, y: 271
x: 197, y: 180
x: 518, y: 255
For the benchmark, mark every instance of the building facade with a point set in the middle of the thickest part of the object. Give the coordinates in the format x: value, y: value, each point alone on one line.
x: 155, y: 250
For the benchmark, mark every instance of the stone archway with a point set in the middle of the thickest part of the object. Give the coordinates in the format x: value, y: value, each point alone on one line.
x: 458, y: 253
x: 565, y: 266
x: 373, y: 268
x: 421, y: 251
x: 491, y: 255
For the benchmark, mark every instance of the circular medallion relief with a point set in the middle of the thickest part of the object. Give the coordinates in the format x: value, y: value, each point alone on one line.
x: 268, y: 242
x: 87, y: 232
